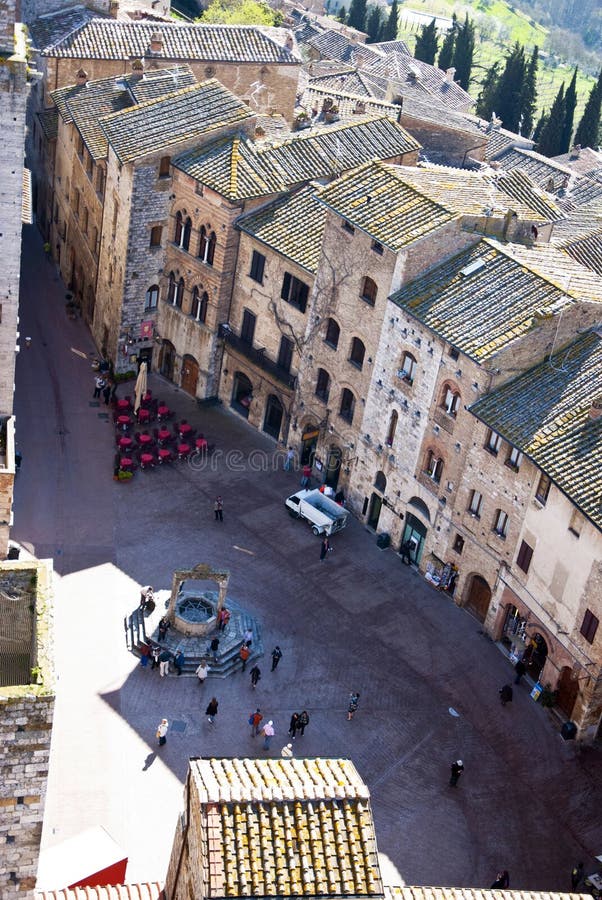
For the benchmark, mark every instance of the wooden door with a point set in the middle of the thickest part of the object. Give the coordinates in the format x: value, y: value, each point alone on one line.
x: 479, y: 597
x: 190, y: 375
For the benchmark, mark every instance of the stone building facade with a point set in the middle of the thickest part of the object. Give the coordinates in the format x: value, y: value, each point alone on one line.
x: 26, y: 715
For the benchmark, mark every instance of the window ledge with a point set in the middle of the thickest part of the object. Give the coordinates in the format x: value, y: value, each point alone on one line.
x: 368, y: 301
x: 499, y: 534
x: 355, y: 365
x: 511, y: 465
x: 490, y: 450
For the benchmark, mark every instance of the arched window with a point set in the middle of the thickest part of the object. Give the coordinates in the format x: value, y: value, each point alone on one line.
x: 392, y: 428
x: 186, y: 232
x: 332, y: 333
x: 358, y: 351
x: 347, y: 405
x: 500, y: 523
x: 200, y: 302
x: 408, y: 368
x: 152, y: 297
x: 207, y: 242
x: 450, y: 401
x: 380, y: 482
x: 433, y: 467
x: 323, y: 385
x: 179, y: 298
x: 179, y: 229
x: 171, y: 288
x: 369, y: 291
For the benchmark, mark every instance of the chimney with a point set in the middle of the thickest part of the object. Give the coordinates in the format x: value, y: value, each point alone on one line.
x: 156, y: 42
x: 82, y: 76
x: 595, y: 410
x: 289, y: 41
x: 575, y: 151
x: 138, y: 66
x: 449, y: 75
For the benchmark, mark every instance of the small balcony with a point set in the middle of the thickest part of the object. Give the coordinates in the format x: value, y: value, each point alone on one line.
x: 258, y: 357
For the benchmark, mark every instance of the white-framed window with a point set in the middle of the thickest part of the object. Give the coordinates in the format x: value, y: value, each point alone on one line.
x: 151, y: 298
x: 408, y: 368
x: 434, y: 467
x: 515, y: 458
x: 476, y: 504
x: 493, y: 442
x: 451, y: 402
x: 500, y: 524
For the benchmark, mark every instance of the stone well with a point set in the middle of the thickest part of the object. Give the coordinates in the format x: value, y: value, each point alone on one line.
x: 192, y: 609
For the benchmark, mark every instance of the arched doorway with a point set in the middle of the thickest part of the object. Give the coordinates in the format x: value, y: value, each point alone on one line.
x: 333, y: 467
x: 535, y: 655
x: 242, y: 394
x: 376, y: 500
x: 167, y: 360
x: 309, y: 441
x: 414, y: 534
x: 190, y: 375
x: 478, y: 597
x: 567, y: 690
x: 273, y: 416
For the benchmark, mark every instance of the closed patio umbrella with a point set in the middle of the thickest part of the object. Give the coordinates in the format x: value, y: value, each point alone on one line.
x: 140, y: 389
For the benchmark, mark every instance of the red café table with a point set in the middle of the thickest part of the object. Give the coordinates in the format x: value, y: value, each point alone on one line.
x: 146, y: 459
x: 163, y: 411
x: 125, y: 442
x: 164, y: 434
x: 126, y: 463
x: 201, y: 444
x: 164, y: 455
x: 183, y: 450
x: 123, y: 404
x: 184, y: 429
x: 143, y: 415
x: 145, y: 440
x: 124, y: 421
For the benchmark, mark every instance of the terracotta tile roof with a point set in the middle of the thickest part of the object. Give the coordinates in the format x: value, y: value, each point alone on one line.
x: 378, y: 199
x: 587, y: 250
x: 518, y: 185
x: 283, y: 828
x: 392, y: 46
x: 416, y: 75
x: 238, y: 169
x: 349, y: 81
x: 464, y: 893
x: 145, y: 891
x: 348, y: 104
x: 49, y: 123
x: 579, y: 191
x: 84, y: 105
x: 172, y: 119
x: 484, y: 298
x: 117, y: 39
x: 54, y: 27
x: 283, y: 226
x: 414, y: 107
x: 541, y: 169
x: 583, y: 162
x: 545, y: 414
x: 499, y: 140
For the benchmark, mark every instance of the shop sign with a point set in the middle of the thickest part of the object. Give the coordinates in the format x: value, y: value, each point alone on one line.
x: 309, y: 435
x: 536, y: 692
x: 146, y: 330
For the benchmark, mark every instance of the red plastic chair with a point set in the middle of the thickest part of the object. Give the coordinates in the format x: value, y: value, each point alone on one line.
x: 147, y: 461
x: 183, y: 451
x: 164, y: 456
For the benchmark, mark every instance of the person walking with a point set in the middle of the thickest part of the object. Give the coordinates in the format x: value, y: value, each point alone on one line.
x: 305, y: 476
x: 255, y: 720
x: 144, y: 655
x: 294, y: 725
x: 248, y: 637
x: 214, y: 647
x: 354, y: 699
x: 178, y: 661
x: 287, y: 751
x: 324, y: 548
x: 164, y: 658
x: 162, y: 731
x: 506, y: 694
x: 303, y: 722
x: 255, y: 676
x: 164, y: 626
x: 268, y: 733
x: 99, y: 385
x: 155, y: 653
x: 502, y: 881
x: 244, y: 654
x: 576, y: 876
x: 218, y: 508
x: 211, y: 711
x: 520, y: 669
x: 201, y: 671
x: 288, y: 462
x: 276, y: 657
x: 457, y: 768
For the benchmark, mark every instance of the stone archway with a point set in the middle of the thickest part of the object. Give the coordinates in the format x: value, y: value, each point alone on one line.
x: 478, y: 597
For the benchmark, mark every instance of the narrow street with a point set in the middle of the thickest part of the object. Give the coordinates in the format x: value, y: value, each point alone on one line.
x: 527, y: 802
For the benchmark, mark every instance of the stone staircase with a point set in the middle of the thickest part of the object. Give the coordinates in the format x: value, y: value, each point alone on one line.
x: 196, y: 649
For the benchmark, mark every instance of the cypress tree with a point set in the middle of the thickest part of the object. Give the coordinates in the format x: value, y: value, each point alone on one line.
x: 374, y: 25
x: 427, y: 43
x: 489, y: 92
x: 391, y: 27
x: 570, y: 102
x: 507, y: 102
x: 464, y: 53
x: 342, y: 15
x: 550, y: 137
x: 541, y: 124
x: 446, y: 54
x: 357, y: 14
x: 589, y: 126
x: 529, y: 95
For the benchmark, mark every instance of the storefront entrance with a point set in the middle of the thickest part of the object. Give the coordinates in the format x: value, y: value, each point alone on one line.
x: 413, y: 536
x: 190, y: 375
x: 376, y: 504
x: 167, y: 360
x: 333, y: 467
x: 478, y: 597
x: 242, y: 394
x: 309, y: 440
x: 273, y: 417
x: 535, y: 655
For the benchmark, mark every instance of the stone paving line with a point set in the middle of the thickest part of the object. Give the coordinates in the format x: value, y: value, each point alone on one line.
x: 359, y: 621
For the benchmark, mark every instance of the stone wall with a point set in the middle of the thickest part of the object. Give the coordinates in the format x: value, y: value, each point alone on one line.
x: 446, y: 143
x: 184, y: 874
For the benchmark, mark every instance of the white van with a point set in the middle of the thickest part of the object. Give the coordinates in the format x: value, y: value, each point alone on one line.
x: 324, y: 515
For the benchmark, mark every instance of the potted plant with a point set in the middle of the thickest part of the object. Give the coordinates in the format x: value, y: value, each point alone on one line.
x: 124, y: 475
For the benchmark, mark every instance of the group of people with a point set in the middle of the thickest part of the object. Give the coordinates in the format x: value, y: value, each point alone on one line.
x: 161, y: 658
x: 105, y: 385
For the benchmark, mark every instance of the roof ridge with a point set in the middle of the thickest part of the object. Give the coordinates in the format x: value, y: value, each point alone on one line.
x: 234, y: 160
x: 154, y: 101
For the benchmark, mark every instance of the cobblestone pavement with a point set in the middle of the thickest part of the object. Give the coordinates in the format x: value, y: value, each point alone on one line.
x: 360, y: 621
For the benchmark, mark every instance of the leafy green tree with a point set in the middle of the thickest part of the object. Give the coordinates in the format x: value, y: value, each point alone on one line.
x: 391, y: 27
x: 507, y: 101
x: 529, y: 95
x: 570, y: 102
x: 489, y: 92
x: 357, y: 14
x: 446, y: 54
x: 550, y: 136
x: 588, y: 130
x: 374, y: 25
x: 240, y: 12
x: 427, y: 43
x: 464, y: 53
